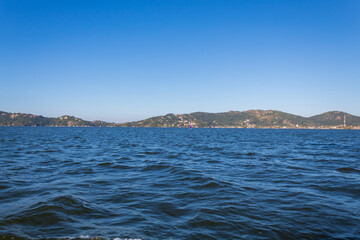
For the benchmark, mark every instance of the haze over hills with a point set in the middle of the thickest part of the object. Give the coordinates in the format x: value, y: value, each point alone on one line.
x: 231, y: 119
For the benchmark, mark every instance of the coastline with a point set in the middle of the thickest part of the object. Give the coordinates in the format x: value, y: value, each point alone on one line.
x: 252, y: 119
x: 220, y: 127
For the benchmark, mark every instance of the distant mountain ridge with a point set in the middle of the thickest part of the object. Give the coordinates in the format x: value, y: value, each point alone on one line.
x: 231, y: 119
x: 251, y: 119
x: 24, y: 119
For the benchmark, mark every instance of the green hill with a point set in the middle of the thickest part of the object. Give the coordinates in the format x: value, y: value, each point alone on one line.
x: 248, y: 119
x: 251, y: 118
x: 231, y: 119
x: 336, y: 118
x: 23, y: 119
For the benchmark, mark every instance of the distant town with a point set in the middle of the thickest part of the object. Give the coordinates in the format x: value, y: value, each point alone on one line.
x: 232, y: 119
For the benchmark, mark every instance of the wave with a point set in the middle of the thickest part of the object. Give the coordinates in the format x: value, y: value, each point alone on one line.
x: 122, y: 184
x: 81, y: 237
x: 157, y: 167
x: 56, y: 210
x: 348, y: 170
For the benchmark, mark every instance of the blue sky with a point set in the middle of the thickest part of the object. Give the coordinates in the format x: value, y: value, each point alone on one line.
x: 128, y: 60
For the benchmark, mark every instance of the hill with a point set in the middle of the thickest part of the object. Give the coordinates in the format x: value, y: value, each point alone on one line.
x: 24, y: 119
x: 249, y: 119
x: 336, y: 118
x: 231, y: 119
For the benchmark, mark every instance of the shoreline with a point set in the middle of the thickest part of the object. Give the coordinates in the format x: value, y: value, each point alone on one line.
x: 229, y: 127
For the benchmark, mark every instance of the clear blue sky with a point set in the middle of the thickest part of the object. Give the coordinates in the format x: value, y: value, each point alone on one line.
x: 126, y: 60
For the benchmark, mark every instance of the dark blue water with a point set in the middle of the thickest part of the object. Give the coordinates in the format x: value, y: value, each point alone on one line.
x: 179, y: 183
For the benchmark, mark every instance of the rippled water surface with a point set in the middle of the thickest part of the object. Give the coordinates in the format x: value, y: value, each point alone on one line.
x: 179, y: 183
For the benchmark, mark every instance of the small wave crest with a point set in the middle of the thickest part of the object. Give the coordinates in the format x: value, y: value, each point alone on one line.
x: 56, y: 210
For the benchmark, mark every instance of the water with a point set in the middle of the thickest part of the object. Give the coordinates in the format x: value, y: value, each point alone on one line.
x: 119, y: 183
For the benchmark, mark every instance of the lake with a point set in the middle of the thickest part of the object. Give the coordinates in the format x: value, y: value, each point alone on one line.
x: 167, y: 183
